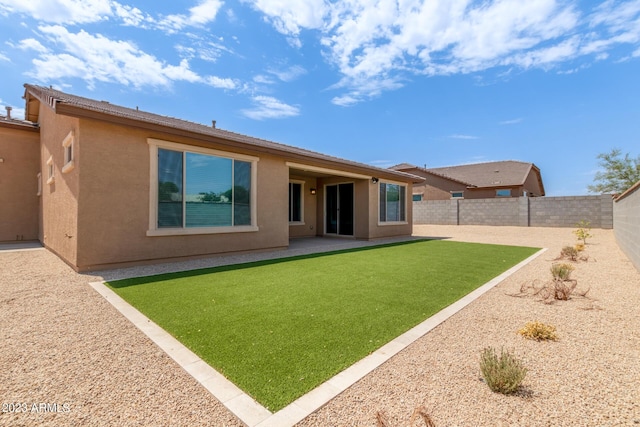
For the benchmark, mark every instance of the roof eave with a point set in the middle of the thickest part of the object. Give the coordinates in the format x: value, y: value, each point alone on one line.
x: 80, y: 112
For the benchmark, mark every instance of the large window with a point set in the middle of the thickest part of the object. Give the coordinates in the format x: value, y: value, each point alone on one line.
x: 296, y: 189
x: 201, y: 190
x: 392, y: 202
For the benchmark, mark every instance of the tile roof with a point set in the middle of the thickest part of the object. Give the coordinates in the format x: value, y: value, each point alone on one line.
x: 54, y: 98
x: 490, y: 174
x: 480, y: 175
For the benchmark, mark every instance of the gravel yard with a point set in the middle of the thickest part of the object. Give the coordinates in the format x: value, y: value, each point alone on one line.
x: 63, y: 344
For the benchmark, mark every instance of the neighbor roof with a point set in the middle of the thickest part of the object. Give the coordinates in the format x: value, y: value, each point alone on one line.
x: 77, y: 106
x: 490, y: 174
x: 481, y: 175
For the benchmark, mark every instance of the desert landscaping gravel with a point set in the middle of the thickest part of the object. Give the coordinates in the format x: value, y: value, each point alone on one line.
x: 63, y: 344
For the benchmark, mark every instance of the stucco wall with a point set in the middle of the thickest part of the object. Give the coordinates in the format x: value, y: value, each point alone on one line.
x: 521, y: 211
x: 58, y: 222
x: 114, y: 203
x: 19, y: 202
x: 626, y: 220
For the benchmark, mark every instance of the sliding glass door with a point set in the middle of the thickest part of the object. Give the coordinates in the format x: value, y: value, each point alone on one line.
x: 339, y: 209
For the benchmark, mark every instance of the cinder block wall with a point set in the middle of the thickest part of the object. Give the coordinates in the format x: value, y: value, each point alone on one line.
x: 441, y: 212
x: 568, y: 211
x: 626, y: 217
x: 518, y: 211
x: 489, y: 211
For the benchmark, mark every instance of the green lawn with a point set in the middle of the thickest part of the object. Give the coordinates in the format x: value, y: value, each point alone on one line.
x: 278, y: 329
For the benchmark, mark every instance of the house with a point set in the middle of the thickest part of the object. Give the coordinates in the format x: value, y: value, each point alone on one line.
x: 104, y: 186
x: 476, y: 181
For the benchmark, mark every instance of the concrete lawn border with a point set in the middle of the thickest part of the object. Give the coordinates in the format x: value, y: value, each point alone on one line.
x: 245, y: 407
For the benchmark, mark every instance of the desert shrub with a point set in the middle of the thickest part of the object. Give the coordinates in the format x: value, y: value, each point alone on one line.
x: 579, y: 247
x: 539, y: 331
x: 419, y: 413
x: 503, y: 373
x: 561, y: 271
x: 583, y: 231
x: 569, y: 252
x: 563, y: 285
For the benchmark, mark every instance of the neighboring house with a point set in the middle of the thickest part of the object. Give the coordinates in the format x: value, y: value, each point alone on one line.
x: 102, y: 186
x: 476, y: 181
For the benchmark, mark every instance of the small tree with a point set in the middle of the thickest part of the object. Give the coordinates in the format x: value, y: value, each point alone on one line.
x: 619, y: 173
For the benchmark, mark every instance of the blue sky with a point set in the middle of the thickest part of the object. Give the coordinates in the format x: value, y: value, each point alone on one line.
x: 440, y: 82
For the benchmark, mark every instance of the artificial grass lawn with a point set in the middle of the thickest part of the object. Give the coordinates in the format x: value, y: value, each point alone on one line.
x: 280, y: 328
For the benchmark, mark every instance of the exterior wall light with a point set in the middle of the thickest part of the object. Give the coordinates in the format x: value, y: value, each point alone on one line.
x: 374, y: 180
x: 313, y: 191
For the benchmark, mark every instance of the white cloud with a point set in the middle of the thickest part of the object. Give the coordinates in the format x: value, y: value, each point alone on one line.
x: 4, y: 57
x: 288, y: 74
x: 461, y: 136
x: 512, y: 121
x: 372, y: 41
x: 61, y: 11
x: 289, y: 16
x: 32, y: 44
x: 95, y: 58
x: 221, y: 83
x: 267, y: 107
x: 205, y: 12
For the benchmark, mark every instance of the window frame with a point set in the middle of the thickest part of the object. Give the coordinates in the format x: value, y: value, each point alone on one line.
x: 384, y: 222
x: 153, y: 230
x: 69, y: 152
x: 51, y: 171
x: 301, y: 183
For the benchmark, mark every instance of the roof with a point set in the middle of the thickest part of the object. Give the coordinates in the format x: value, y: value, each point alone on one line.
x: 77, y: 106
x: 406, y: 167
x: 16, y: 123
x: 482, y: 175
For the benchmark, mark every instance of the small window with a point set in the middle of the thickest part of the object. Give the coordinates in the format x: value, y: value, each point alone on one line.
x: 50, y: 171
x: 417, y: 197
x: 296, y: 190
x: 457, y: 194
x: 68, y: 153
x: 503, y: 193
x: 392, y: 202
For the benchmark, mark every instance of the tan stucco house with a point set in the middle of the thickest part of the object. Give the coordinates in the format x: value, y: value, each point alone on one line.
x: 476, y: 181
x: 103, y: 186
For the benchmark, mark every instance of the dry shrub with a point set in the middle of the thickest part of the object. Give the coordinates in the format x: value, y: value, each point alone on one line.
x: 539, y: 331
x: 420, y: 413
x: 569, y: 252
x: 503, y: 373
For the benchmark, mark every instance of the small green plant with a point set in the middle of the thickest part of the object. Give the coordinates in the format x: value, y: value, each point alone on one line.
x: 503, y: 373
x: 539, y: 331
x: 569, y: 252
x: 583, y: 231
x: 561, y: 271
